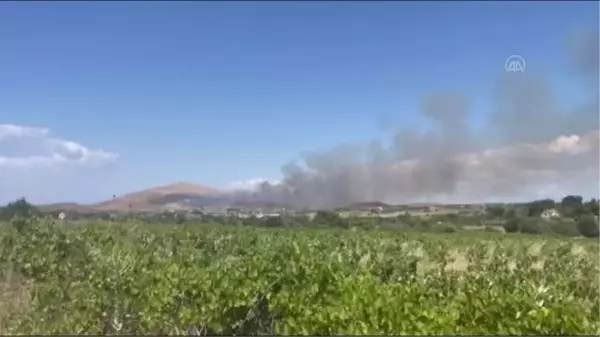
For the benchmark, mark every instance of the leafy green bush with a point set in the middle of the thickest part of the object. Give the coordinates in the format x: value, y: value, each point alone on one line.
x: 445, y: 228
x: 493, y: 229
x: 329, y: 218
x: 18, y: 208
x: 272, y: 222
x: 533, y: 225
x: 362, y: 223
x: 564, y: 227
x: 588, y: 226
x: 126, y: 279
x: 512, y: 225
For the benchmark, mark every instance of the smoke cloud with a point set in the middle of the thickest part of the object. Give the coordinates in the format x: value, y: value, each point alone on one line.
x: 530, y: 147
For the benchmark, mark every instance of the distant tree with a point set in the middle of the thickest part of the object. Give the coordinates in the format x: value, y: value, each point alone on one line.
x: 510, y: 213
x: 364, y: 223
x: 328, y: 218
x: 452, y: 218
x: 252, y: 221
x: 572, y: 201
x: 536, y: 208
x: 18, y: 208
x: 425, y: 223
x: 533, y: 225
x: 274, y: 221
x: 512, y: 225
x: 300, y: 220
x: 588, y: 226
x: 566, y: 227
x: 572, y: 206
x: 592, y: 206
x: 494, y: 212
x: 579, y: 212
x: 409, y: 220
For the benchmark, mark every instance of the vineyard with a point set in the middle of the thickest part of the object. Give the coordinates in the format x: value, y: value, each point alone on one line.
x: 132, y: 278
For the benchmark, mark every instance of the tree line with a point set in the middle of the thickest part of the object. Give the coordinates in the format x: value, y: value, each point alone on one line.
x: 577, y: 218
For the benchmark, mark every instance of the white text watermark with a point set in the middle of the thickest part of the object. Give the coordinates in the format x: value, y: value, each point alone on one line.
x: 515, y: 64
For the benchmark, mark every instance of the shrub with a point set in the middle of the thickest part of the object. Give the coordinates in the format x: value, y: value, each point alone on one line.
x: 564, y: 227
x: 533, y: 225
x: 512, y: 225
x: 18, y: 208
x: 446, y: 228
x: 114, y: 279
x: 425, y: 223
x: 328, y: 218
x: 588, y: 226
x: 364, y: 223
x: 274, y: 221
x: 494, y: 229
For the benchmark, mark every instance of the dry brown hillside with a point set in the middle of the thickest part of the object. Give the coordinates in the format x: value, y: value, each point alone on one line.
x: 154, y: 198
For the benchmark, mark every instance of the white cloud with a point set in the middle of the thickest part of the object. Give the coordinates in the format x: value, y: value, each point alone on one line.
x: 45, y: 168
x: 17, y: 131
x: 25, y: 146
x: 572, y: 144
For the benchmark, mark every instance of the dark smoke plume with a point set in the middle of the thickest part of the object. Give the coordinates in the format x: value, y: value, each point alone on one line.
x: 530, y: 144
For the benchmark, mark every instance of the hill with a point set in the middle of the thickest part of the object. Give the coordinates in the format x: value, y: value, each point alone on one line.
x: 174, y: 196
x: 156, y: 198
x: 63, y: 206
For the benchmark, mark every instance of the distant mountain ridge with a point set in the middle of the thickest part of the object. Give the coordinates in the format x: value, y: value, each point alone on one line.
x: 152, y: 199
x: 182, y: 196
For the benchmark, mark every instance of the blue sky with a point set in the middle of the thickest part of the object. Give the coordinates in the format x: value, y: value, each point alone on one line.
x: 214, y: 92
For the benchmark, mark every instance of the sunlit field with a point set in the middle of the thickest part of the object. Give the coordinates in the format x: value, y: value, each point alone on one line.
x: 133, y: 278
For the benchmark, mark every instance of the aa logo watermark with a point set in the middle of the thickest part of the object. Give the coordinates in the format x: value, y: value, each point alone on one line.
x: 515, y: 64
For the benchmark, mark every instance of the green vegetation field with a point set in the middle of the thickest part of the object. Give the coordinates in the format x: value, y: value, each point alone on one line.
x: 133, y: 278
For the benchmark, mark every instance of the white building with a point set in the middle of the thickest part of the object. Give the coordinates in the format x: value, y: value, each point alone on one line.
x: 550, y: 213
